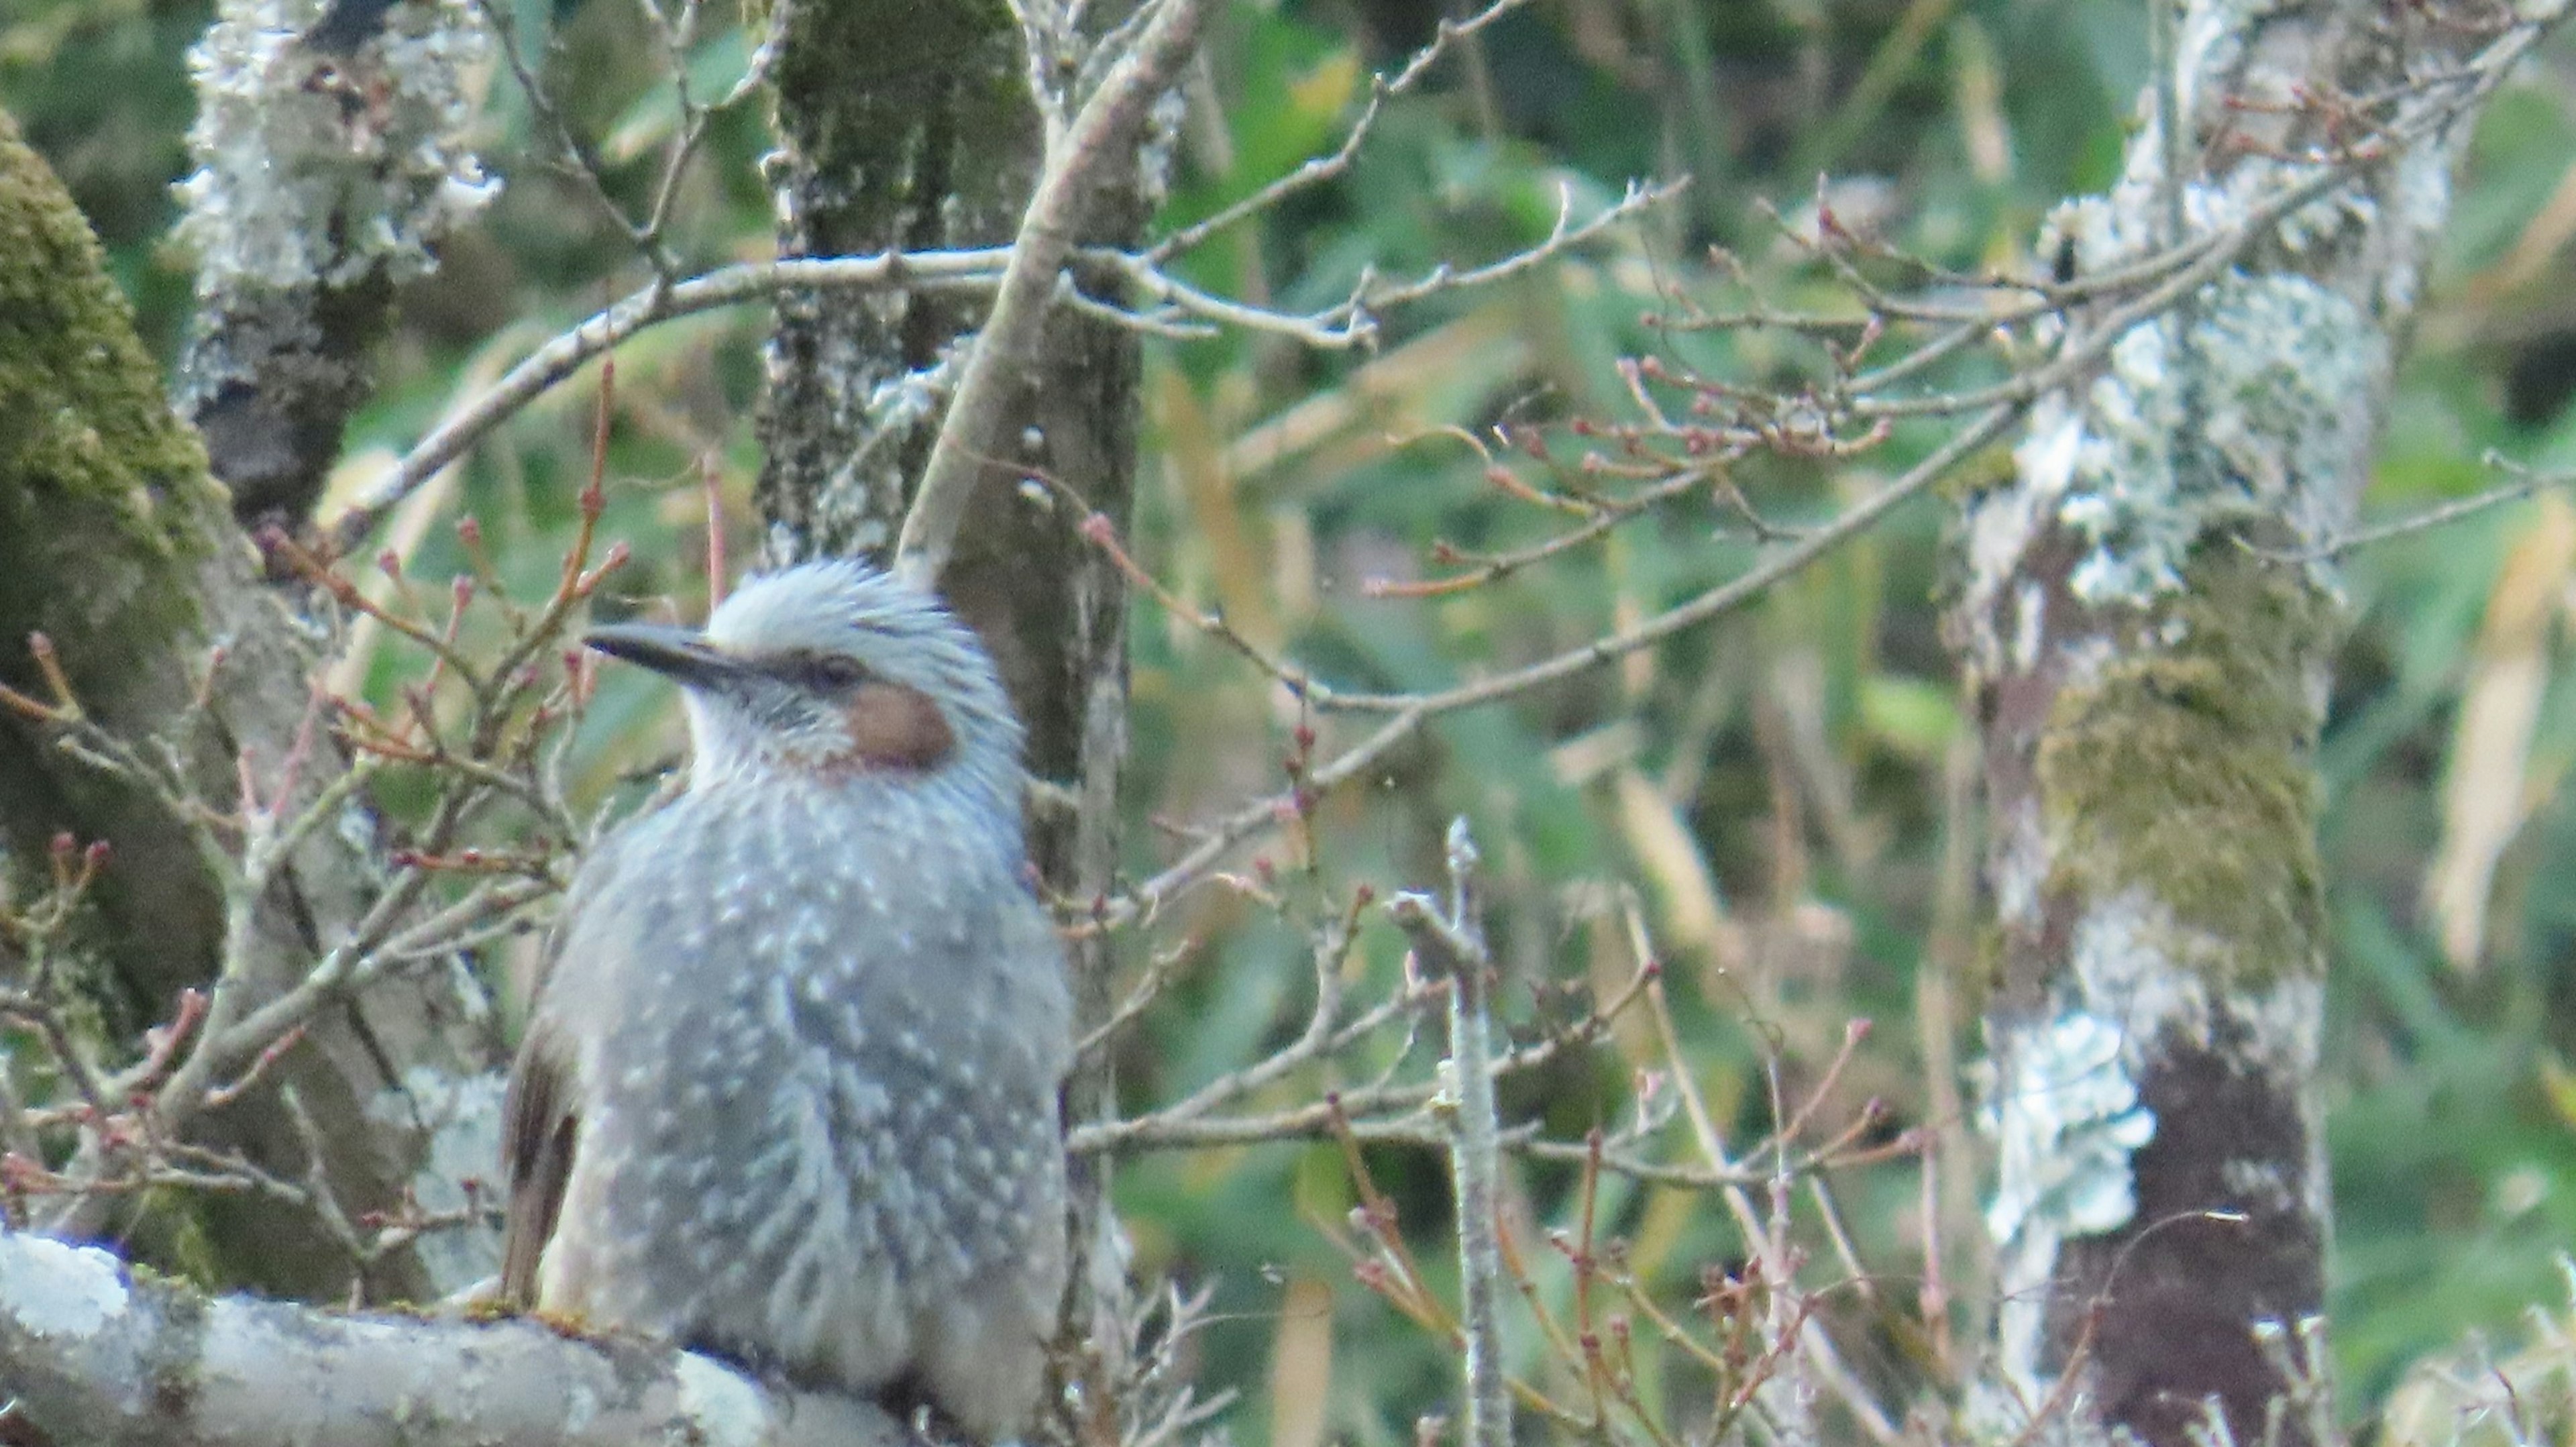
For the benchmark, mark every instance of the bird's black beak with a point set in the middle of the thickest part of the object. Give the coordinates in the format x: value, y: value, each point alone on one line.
x: 678, y: 654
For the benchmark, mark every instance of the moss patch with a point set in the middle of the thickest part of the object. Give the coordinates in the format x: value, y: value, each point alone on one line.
x: 2188, y: 769
x: 98, y: 480
x: 174, y: 1353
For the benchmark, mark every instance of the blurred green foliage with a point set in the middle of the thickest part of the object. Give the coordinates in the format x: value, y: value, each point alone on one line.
x: 1811, y: 745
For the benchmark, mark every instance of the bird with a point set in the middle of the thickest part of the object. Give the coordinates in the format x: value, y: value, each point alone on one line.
x: 789, y: 1091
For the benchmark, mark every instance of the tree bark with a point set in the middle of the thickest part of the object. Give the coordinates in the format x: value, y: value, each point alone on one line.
x: 329, y: 164
x: 2148, y: 625
x: 117, y: 544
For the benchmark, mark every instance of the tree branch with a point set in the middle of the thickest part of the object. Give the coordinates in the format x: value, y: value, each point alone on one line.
x: 97, y: 1358
x: 1452, y: 943
x: 648, y: 306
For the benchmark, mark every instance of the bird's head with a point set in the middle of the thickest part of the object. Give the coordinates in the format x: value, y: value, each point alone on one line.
x: 833, y: 671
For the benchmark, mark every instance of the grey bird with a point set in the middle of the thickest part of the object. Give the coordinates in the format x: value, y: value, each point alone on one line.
x: 789, y: 1087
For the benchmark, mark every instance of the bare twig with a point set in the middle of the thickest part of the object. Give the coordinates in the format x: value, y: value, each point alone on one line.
x: 1451, y: 942
x: 2525, y: 484
x: 659, y: 302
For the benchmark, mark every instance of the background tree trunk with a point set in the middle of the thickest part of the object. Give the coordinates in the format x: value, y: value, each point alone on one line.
x: 117, y: 544
x: 2148, y: 625
x: 329, y: 164
x: 919, y: 134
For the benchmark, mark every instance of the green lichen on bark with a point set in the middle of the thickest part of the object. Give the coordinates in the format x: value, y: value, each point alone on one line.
x: 2186, y: 768
x: 99, y: 481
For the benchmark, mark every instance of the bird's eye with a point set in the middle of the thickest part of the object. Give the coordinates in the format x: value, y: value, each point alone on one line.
x: 822, y: 672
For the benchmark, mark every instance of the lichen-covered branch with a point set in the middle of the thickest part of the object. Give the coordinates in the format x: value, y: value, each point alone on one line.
x: 93, y: 1355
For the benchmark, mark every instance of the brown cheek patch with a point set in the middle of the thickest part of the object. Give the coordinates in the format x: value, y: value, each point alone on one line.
x: 895, y: 727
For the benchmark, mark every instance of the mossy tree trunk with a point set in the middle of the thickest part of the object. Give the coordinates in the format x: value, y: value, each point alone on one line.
x: 2148, y: 624
x: 329, y: 161
x: 119, y: 546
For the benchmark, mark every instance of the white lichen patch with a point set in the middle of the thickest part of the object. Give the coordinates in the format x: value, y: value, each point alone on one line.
x: 463, y: 1122
x: 2417, y: 201
x: 2121, y: 496
x: 851, y: 508
x: 2088, y: 233
x: 2211, y: 42
x: 2030, y: 626
x: 1998, y: 530
x: 2019, y: 848
x: 2290, y: 376
x: 2262, y: 1185
x: 2063, y: 1110
x: 1158, y: 151
x: 719, y: 1404
x: 2283, y: 1026
x: 2134, y: 962
x: 2130, y: 961
x: 909, y: 399
x: 323, y: 170
x: 2264, y: 413
x: 57, y: 1291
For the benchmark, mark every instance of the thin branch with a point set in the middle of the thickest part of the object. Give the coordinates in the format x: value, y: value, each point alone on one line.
x: 1320, y: 169
x: 1452, y: 944
x: 602, y: 331
x: 1411, y: 713
x: 1352, y: 322
x: 2525, y: 484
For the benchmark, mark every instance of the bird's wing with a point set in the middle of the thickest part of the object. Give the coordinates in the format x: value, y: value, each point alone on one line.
x: 540, y: 1116
x: 539, y: 1127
